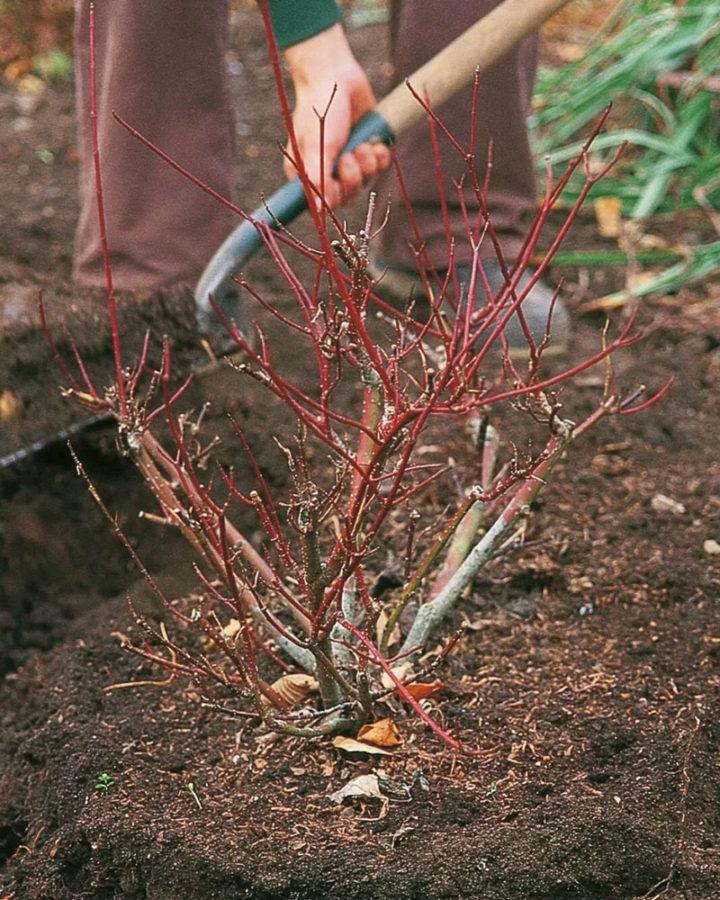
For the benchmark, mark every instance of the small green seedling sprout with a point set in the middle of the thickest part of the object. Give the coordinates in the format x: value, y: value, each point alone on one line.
x: 191, y: 788
x: 104, y: 782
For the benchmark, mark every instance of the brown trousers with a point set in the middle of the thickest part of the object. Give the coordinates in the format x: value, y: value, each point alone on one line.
x: 165, y: 71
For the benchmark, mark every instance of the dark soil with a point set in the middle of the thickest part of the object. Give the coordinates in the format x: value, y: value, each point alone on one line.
x: 588, y: 682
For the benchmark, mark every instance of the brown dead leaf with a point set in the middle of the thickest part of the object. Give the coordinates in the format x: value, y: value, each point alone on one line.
x: 421, y: 690
x: 402, y: 672
x: 363, y: 786
x: 568, y: 52
x: 608, y: 212
x: 55, y: 846
x: 17, y: 69
x: 383, y: 733
x: 293, y: 689
x: 603, y: 304
x: 350, y: 745
x: 10, y: 406
x: 232, y: 628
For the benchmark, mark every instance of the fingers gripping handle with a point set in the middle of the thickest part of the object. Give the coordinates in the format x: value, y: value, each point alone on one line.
x: 280, y: 209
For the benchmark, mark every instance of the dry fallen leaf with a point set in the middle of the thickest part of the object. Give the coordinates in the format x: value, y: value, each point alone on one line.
x: 293, y: 689
x: 603, y: 304
x: 421, y: 690
x: 17, y: 69
x: 10, y: 406
x: 608, y: 212
x: 403, y: 672
x: 365, y: 786
x: 56, y: 846
x: 232, y: 628
x: 568, y: 52
x: 383, y: 733
x: 350, y: 745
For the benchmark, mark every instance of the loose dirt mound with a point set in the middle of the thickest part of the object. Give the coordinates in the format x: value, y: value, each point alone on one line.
x: 589, y: 685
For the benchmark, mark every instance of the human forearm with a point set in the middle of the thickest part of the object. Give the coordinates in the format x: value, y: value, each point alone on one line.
x: 295, y: 21
x: 324, y: 67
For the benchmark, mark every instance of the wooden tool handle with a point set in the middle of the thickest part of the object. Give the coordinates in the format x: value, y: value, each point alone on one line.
x: 453, y: 68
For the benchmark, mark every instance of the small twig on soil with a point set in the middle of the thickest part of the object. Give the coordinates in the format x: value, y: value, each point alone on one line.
x: 149, y: 682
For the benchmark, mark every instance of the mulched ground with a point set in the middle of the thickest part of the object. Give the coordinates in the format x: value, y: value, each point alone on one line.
x: 588, y: 681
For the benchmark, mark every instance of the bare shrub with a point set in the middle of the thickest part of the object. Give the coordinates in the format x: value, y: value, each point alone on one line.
x: 304, y: 599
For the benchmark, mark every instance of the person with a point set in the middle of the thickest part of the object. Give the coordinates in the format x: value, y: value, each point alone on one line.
x: 167, y: 72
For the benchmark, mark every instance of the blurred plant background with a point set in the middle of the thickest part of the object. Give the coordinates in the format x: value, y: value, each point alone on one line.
x: 658, y: 62
x: 36, y: 38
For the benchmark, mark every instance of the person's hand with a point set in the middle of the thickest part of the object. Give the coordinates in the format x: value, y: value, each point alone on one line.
x: 318, y: 66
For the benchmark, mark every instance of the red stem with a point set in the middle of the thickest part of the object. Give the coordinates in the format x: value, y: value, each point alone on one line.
x: 401, y: 689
